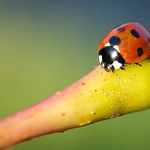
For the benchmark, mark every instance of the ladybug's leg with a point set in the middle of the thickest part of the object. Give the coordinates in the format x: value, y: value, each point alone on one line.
x: 126, y: 63
x: 138, y: 64
x: 122, y: 68
x: 112, y: 69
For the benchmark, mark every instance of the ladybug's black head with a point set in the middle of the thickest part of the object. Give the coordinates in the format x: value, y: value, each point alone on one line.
x: 110, y: 58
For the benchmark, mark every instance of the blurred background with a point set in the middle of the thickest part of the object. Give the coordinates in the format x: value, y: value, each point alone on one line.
x: 46, y: 46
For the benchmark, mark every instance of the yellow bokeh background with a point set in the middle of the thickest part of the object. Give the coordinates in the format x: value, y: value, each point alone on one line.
x: 46, y: 46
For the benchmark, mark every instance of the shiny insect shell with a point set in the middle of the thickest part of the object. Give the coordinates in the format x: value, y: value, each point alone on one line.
x: 125, y: 44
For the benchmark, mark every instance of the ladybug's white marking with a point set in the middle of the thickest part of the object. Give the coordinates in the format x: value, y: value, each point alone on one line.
x: 100, y: 58
x: 114, y: 54
x: 103, y: 65
x: 116, y: 64
x: 108, y: 67
x: 116, y: 47
x: 107, y: 44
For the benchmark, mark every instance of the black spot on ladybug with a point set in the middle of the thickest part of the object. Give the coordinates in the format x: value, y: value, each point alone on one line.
x: 119, y: 29
x: 114, y: 40
x: 135, y: 33
x: 140, y: 51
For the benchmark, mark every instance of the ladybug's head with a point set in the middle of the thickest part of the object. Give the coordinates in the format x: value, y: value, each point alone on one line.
x: 110, y: 58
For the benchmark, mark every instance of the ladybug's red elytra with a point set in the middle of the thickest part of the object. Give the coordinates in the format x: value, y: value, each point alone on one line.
x: 125, y: 44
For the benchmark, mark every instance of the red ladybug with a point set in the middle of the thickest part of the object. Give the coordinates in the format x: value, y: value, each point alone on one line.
x: 125, y: 44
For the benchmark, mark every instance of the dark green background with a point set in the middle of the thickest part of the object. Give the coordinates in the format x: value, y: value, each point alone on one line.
x: 46, y: 46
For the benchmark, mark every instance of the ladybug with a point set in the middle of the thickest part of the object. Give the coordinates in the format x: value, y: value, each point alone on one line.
x: 125, y: 44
